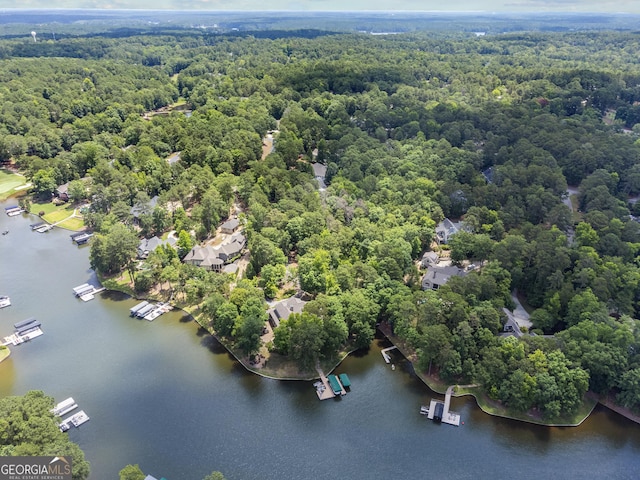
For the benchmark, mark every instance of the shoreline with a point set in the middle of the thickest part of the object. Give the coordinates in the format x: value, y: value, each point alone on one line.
x: 590, y: 401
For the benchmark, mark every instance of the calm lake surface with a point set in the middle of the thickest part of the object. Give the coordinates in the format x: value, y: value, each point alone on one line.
x: 167, y: 396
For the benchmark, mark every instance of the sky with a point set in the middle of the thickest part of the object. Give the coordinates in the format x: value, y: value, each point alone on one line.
x: 596, y: 6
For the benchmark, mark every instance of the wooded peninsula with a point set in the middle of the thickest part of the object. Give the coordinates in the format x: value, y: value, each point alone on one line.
x: 296, y: 190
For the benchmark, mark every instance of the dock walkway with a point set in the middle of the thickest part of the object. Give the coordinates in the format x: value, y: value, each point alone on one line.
x: 324, y: 389
x: 74, y: 421
x: 386, y: 357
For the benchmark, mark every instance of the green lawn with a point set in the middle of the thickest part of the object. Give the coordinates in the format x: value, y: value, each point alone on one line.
x: 58, y: 213
x: 9, y: 182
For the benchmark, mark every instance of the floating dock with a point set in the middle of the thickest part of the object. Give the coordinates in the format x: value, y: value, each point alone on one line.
x: 5, y: 301
x: 44, y: 228
x: 35, y: 226
x: 64, y: 407
x: 17, y: 339
x: 86, y: 292
x: 74, y: 421
x: 157, y: 311
x: 386, y: 357
x: 13, y: 210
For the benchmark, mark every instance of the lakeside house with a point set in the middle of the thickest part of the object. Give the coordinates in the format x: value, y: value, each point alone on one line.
x: 283, y: 309
x: 148, y: 245
x: 437, y: 276
x: 215, y: 258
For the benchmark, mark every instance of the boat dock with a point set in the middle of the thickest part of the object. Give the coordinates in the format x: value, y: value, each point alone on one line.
x: 44, y: 228
x: 35, y: 226
x: 13, y: 210
x: 344, y: 380
x: 80, y: 238
x: 336, y: 386
x: 5, y: 301
x: 64, y: 407
x: 86, y: 291
x: 438, y: 411
x: 74, y: 421
x: 149, y: 311
x: 157, y: 311
x: 323, y: 389
x: 134, y: 310
x: 18, y: 338
x: 386, y: 357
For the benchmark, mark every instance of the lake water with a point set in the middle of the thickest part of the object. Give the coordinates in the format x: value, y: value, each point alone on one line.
x: 167, y: 396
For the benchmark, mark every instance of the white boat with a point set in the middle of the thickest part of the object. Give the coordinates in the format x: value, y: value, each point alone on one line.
x: 5, y: 301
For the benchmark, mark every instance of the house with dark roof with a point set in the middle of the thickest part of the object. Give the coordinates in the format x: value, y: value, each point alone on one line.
x: 437, y: 276
x: 283, y: 309
x: 62, y: 192
x: 230, y: 226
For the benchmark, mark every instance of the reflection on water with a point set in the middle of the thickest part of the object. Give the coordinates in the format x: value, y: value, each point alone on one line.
x: 168, y: 396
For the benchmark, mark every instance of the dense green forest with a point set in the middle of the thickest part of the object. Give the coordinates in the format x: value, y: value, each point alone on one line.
x: 412, y: 128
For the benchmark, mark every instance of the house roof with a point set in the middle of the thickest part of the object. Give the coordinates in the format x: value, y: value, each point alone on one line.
x: 64, y: 188
x: 139, y: 209
x: 440, y: 275
x: 319, y: 170
x: 283, y: 309
x: 230, y: 224
x: 430, y: 258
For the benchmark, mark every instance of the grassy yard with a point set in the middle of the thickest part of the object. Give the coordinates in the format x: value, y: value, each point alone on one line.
x: 9, y: 182
x: 58, y: 213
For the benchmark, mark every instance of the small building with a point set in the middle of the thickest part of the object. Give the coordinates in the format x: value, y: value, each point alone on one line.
x: 283, y: 309
x: 62, y: 192
x: 429, y: 259
x: 230, y: 226
x: 438, y: 411
x: 437, y: 276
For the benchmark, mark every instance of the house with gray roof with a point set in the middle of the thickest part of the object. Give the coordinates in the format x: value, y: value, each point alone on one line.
x: 283, y: 309
x: 437, y: 276
x: 446, y: 228
x: 148, y: 245
x: 230, y: 226
x: 215, y: 258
